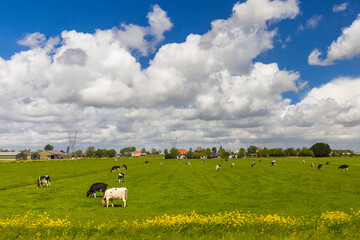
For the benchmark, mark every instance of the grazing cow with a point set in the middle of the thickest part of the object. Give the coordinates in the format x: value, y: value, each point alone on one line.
x: 327, y: 163
x: 121, y: 177
x: 312, y: 164
x: 252, y: 164
x: 96, y: 187
x: 42, y: 180
x: 320, y: 166
x: 218, y: 167
x: 124, y: 166
x: 303, y: 161
x: 188, y: 163
x: 160, y: 164
x: 146, y: 162
x: 272, y: 163
x: 114, y: 194
x: 115, y: 168
x: 260, y: 161
x: 344, y: 166
x: 203, y: 160
x: 232, y: 165
x: 226, y: 160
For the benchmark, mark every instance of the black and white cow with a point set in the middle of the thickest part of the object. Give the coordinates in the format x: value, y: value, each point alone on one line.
x: 232, y: 165
x: 320, y: 166
x: 160, y: 164
x: 272, y: 163
x: 147, y: 162
x: 115, y: 168
x: 121, y: 177
x: 96, y: 187
x: 312, y: 164
x: 344, y: 166
x: 252, y: 164
x: 327, y: 163
x: 113, y: 194
x: 187, y: 163
x: 42, y: 180
x: 217, y: 167
x: 124, y: 166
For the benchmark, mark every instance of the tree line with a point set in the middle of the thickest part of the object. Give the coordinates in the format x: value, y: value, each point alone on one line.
x: 317, y: 150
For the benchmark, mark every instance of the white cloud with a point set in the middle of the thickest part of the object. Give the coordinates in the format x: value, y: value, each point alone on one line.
x: 346, y: 46
x: 311, y: 23
x: 314, y: 21
x: 33, y: 40
x: 207, y: 90
x: 340, y: 7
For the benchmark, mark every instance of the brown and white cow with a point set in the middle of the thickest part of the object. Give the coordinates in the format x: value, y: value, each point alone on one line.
x: 115, y: 194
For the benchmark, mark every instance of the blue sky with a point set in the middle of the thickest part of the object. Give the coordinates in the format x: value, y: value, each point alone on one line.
x: 309, y: 96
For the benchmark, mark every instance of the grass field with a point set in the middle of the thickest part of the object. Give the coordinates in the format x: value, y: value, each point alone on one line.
x: 290, y: 189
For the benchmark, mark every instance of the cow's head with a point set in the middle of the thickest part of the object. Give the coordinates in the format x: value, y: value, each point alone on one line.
x: 103, y: 202
x: 88, y: 193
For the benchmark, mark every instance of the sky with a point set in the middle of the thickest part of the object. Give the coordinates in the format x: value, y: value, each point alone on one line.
x: 281, y: 73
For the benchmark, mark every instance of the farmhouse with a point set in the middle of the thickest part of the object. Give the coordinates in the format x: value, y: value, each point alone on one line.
x: 136, y: 154
x: 53, y: 154
x: 182, y: 153
x: 12, y: 156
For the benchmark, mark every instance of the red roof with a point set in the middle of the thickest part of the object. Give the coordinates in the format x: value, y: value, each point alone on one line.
x: 137, y: 152
x: 182, y: 151
x: 198, y: 149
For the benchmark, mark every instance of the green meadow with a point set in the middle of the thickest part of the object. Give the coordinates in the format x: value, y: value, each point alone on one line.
x: 290, y: 189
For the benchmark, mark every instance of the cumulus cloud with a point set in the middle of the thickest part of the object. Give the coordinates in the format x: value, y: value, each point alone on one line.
x: 207, y: 90
x: 340, y: 7
x: 33, y: 40
x: 346, y: 46
x: 133, y: 36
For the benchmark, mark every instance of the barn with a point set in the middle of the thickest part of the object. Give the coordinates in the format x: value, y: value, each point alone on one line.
x: 12, y: 156
x: 32, y: 155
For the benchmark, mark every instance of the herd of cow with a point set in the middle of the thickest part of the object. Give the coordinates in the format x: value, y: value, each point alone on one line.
x: 109, y: 194
x: 121, y: 193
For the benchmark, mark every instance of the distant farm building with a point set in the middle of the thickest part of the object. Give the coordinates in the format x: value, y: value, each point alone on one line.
x: 53, y: 154
x: 136, y: 154
x: 32, y: 155
x: 12, y: 156
x: 182, y: 151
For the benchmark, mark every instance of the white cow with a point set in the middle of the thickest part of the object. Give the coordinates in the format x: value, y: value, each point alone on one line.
x: 232, y: 165
x: 218, y: 167
x: 114, y: 194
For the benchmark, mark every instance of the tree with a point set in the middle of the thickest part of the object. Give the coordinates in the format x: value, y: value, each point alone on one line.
x: 110, y: 153
x: 214, y: 149
x: 290, y: 152
x: 166, y: 151
x: 263, y: 152
x: 321, y: 149
x: 251, y: 150
x: 90, y: 152
x: 143, y: 150
x: 78, y: 153
x: 48, y: 147
x: 100, y: 153
x: 241, y: 153
x: 173, y: 154
x: 306, y: 152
